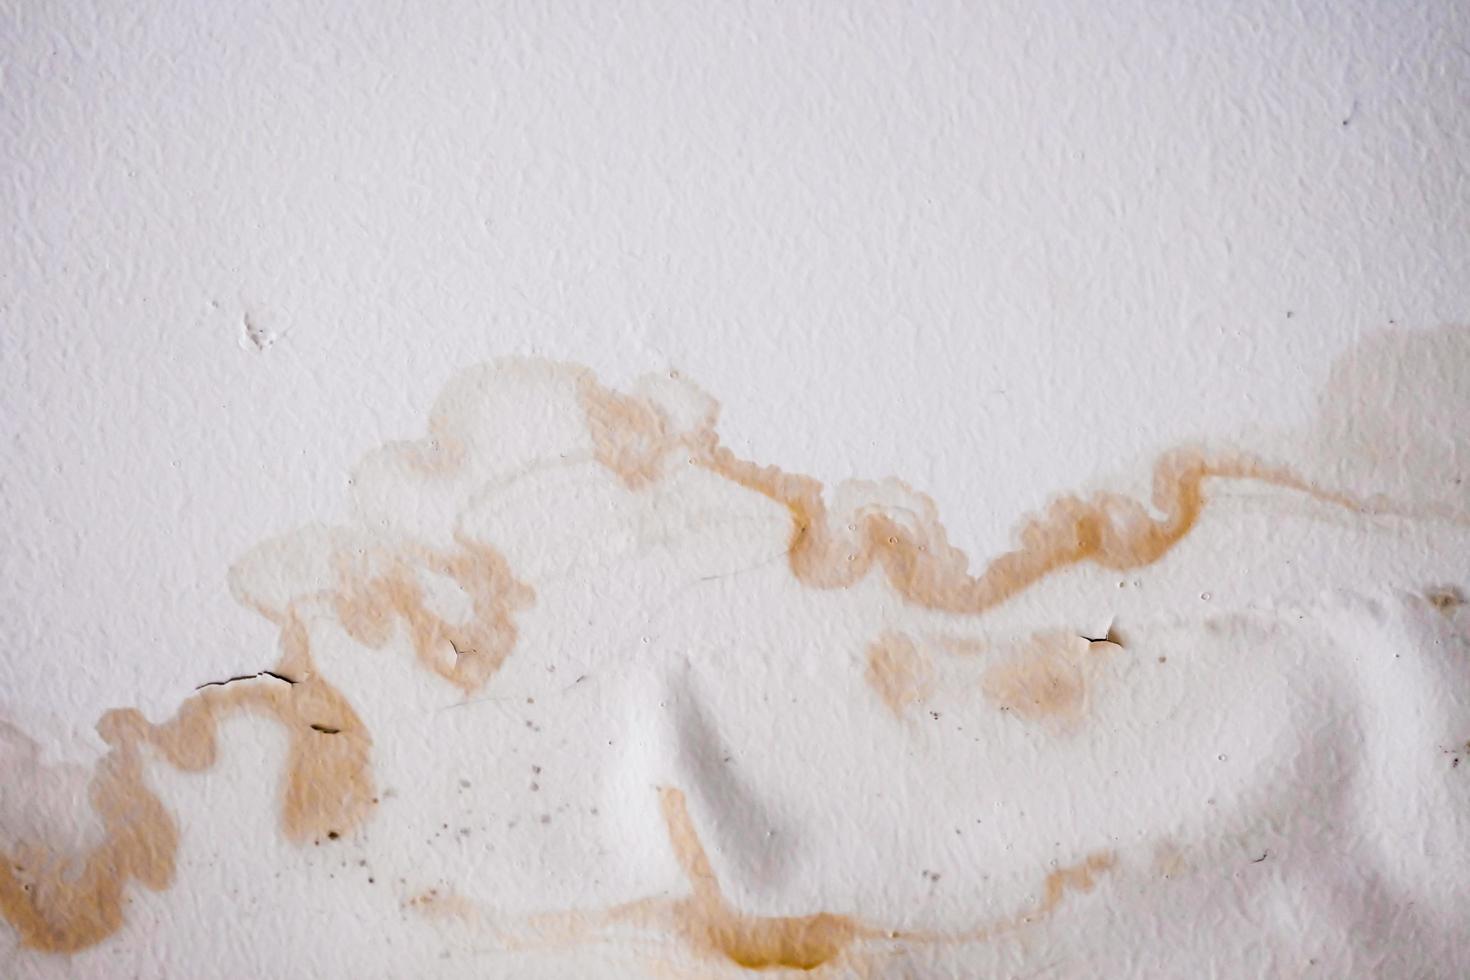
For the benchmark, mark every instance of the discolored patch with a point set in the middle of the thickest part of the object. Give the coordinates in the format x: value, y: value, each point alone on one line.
x: 1080, y: 877
x: 443, y: 906
x: 1047, y: 678
x: 899, y: 672
x: 1170, y: 860
x: 456, y: 601
x: 1446, y: 598
x: 630, y: 435
x: 60, y: 902
x: 377, y: 587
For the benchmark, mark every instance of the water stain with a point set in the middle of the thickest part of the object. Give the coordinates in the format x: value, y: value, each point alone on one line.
x: 376, y: 586
x: 899, y: 672
x: 1446, y: 598
x: 456, y: 598
x: 1391, y: 415
x: 443, y: 906
x: 1081, y: 877
x: 631, y: 434
x: 1170, y: 860
x: 708, y: 922
x: 61, y: 902
x: 893, y: 527
x: 713, y: 930
x: 1048, y: 677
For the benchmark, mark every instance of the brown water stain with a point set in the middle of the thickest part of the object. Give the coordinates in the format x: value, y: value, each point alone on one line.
x: 709, y: 924
x: 378, y: 587
x: 630, y: 435
x: 327, y: 774
x: 899, y: 672
x: 1047, y: 678
x: 633, y: 437
x: 374, y: 588
x: 327, y: 789
x: 444, y: 906
x: 1446, y: 598
x: 717, y: 933
x: 60, y: 901
x: 1080, y: 877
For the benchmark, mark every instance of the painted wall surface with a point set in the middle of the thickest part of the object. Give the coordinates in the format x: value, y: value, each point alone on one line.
x: 876, y: 490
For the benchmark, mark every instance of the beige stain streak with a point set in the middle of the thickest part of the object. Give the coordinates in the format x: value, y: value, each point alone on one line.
x: 721, y: 935
x: 710, y: 924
